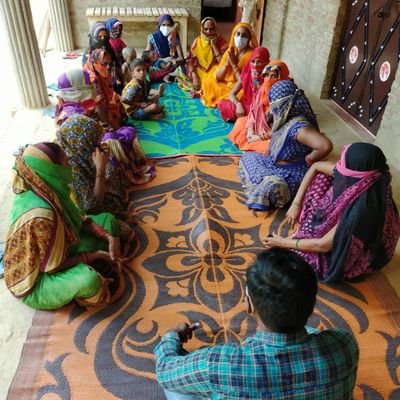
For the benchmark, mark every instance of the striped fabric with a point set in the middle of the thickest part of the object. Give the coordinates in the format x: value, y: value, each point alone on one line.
x: 308, y: 365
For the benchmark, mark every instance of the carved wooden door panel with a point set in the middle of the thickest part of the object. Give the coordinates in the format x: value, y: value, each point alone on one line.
x: 368, y: 60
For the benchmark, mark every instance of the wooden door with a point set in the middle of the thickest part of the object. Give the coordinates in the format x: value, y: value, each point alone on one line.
x: 368, y: 60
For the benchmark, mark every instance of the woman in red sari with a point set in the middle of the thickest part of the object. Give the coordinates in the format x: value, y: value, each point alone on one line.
x: 242, y: 94
x: 252, y: 132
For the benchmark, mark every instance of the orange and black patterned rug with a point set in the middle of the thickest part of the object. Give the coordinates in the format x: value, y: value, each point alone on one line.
x: 195, y: 239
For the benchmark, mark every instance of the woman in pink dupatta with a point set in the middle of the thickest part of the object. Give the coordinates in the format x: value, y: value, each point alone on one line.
x: 242, y: 94
x: 349, y: 224
x: 252, y: 132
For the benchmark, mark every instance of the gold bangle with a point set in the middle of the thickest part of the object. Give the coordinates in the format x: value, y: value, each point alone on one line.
x: 297, y: 244
x: 295, y: 203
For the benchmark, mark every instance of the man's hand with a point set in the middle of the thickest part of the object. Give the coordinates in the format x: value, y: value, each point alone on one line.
x: 185, y: 331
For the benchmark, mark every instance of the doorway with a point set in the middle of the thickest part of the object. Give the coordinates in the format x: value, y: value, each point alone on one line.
x: 368, y: 60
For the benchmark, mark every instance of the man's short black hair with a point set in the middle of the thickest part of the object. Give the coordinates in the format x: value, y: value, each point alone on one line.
x: 283, y: 289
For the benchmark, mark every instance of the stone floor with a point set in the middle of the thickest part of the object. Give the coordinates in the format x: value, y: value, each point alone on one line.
x: 30, y: 126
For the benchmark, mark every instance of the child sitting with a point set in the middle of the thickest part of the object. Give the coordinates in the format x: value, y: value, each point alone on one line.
x: 129, y: 56
x: 159, y: 68
x: 139, y: 100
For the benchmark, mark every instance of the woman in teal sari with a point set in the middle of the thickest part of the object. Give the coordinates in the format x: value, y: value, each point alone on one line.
x: 52, y: 248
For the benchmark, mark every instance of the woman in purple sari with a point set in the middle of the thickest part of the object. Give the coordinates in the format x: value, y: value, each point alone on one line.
x: 349, y: 224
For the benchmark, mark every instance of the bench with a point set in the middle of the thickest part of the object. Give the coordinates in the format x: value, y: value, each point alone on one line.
x: 141, y: 14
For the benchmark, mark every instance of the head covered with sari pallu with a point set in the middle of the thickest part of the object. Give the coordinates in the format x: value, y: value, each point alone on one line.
x: 214, y: 91
x: 75, y: 93
x: 41, y: 184
x: 114, y: 27
x: 94, y: 39
x: 99, y: 42
x: 100, y: 75
x: 95, y: 64
x: 286, y: 101
x: 251, y: 76
x: 162, y: 44
x: 126, y: 152
x: 202, y: 50
x: 289, y: 107
x: 359, y: 201
x: 253, y: 42
x: 258, y: 120
x: 79, y: 136
x: 274, y: 67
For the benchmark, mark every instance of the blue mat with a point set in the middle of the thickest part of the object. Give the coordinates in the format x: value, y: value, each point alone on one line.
x: 187, y: 128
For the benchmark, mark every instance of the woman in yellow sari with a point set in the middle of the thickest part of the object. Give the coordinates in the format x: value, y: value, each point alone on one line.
x: 206, y: 52
x: 218, y: 85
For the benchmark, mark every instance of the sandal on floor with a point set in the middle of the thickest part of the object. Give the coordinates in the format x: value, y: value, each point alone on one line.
x: 71, y: 55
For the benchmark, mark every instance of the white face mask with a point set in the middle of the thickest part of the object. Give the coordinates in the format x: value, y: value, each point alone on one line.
x: 166, y: 30
x: 240, y: 42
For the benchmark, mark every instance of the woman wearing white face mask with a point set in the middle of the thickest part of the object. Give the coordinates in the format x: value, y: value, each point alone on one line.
x: 241, y: 45
x: 165, y: 42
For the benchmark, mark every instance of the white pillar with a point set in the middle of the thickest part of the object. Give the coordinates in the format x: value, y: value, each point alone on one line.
x: 61, y: 25
x: 24, y: 50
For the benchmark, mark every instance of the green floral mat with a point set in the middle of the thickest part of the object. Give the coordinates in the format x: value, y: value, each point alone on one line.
x: 187, y: 128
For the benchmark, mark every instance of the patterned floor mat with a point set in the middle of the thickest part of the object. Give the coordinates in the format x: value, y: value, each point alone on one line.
x: 195, y: 240
x: 187, y: 128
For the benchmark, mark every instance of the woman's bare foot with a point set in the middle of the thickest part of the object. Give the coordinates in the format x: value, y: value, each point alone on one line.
x: 157, y: 116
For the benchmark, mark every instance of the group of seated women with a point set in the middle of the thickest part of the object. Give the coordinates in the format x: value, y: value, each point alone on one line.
x: 70, y: 225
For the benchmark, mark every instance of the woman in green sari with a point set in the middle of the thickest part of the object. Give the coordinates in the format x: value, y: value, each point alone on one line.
x: 52, y: 248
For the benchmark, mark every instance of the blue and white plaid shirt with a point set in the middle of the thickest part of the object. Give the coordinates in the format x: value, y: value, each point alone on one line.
x: 308, y: 365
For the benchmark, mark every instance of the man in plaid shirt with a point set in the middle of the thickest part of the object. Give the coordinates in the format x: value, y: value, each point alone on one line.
x: 283, y: 360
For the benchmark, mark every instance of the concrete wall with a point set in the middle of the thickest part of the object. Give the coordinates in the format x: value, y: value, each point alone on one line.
x: 134, y: 34
x: 388, y: 137
x: 306, y: 35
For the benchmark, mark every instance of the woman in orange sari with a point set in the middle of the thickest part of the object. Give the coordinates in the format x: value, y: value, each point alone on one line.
x: 109, y: 108
x: 217, y: 86
x: 252, y: 132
